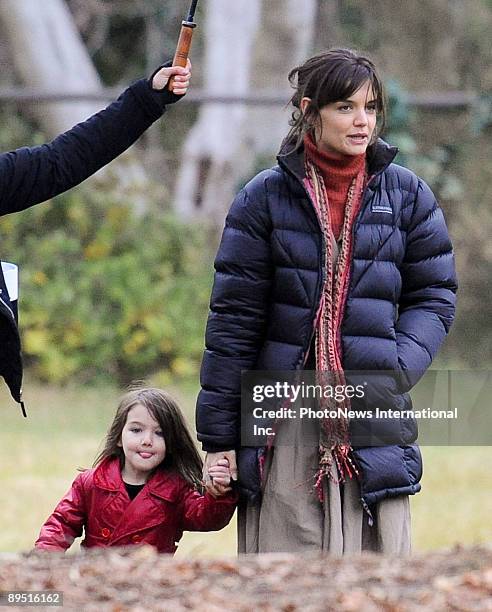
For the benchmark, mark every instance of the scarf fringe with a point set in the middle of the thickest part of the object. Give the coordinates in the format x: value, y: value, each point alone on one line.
x: 339, y: 457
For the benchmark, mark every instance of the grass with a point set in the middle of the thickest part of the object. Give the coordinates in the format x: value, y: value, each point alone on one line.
x: 455, y: 504
x: 39, y: 458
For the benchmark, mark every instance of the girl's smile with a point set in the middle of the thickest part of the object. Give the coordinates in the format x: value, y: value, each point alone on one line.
x: 143, y: 445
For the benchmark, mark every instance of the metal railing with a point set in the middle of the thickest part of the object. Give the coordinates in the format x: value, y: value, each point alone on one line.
x: 450, y: 100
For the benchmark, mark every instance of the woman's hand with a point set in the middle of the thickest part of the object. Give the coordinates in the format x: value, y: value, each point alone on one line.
x: 182, y: 78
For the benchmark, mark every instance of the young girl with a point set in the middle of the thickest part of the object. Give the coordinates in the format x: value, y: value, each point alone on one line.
x: 143, y: 486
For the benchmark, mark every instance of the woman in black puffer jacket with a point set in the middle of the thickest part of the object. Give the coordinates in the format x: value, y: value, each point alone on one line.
x: 337, y: 260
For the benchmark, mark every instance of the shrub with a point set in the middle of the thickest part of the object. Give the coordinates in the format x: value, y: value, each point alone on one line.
x: 106, y: 294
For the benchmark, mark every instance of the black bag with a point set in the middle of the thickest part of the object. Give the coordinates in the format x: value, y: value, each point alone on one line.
x: 10, y: 346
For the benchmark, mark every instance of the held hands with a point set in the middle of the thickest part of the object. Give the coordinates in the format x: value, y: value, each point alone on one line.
x: 218, y: 471
x: 182, y: 78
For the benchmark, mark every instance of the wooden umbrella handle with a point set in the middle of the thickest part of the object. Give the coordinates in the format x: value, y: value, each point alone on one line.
x: 183, y: 48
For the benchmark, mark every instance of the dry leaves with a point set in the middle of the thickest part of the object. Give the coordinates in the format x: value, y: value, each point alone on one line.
x: 120, y: 580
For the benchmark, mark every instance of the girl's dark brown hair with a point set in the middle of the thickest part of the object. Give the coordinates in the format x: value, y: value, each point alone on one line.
x: 181, y: 453
x: 328, y: 77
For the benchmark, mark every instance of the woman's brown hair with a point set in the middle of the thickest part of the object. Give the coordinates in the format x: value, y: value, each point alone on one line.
x: 328, y: 77
x: 181, y: 453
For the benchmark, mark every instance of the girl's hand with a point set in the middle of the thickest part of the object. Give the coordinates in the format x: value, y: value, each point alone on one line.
x: 182, y: 78
x: 220, y: 473
x: 223, y: 459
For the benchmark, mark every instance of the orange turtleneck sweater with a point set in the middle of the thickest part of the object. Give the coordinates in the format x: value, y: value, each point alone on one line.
x: 338, y: 173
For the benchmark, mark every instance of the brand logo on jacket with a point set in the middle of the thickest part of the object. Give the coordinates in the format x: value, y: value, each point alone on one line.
x: 380, y: 208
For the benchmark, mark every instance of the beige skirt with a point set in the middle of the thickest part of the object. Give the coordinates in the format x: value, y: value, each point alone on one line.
x: 290, y: 517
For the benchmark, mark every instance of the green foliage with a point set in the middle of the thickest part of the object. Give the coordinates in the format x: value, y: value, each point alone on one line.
x: 399, y: 116
x: 15, y: 130
x: 352, y: 19
x: 126, y: 39
x: 433, y: 164
x: 105, y: 294
x: 482, y: 113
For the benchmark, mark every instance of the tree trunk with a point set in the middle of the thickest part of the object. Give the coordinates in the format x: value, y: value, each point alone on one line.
x: 284, y: 41
x: 221, y: 149
x: 328, y: 29
x: 211, y: 161
x: 49, y: 54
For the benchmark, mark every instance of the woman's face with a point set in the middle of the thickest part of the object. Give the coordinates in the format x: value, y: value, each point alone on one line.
x: 347, y: 126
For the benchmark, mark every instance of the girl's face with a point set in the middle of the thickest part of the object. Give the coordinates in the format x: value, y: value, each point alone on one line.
x: 347, y: 125
x: 143, y: 444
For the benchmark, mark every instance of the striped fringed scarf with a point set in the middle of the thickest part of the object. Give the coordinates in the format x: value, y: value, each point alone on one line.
x: 334, y: 437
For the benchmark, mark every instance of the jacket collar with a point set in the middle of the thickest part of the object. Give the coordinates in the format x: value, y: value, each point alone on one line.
x: 107, y: 475
x: 379, y: 157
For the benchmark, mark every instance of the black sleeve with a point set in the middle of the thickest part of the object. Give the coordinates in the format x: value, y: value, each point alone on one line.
x: 32, y: 175
x: 237, y: 319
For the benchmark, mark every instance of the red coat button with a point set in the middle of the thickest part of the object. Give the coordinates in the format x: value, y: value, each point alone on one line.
x: 105, y: 532
x: 136, y: 539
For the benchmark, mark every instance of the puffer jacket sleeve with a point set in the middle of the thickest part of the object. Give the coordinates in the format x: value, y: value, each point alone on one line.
x: 67, y: 521
x: 428, y: 297
x: 237, y: 319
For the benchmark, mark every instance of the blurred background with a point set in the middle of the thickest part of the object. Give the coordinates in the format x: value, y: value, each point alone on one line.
x: 116, y: 274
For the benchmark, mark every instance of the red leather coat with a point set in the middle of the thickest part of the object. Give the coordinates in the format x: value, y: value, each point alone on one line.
x: 99, y: 504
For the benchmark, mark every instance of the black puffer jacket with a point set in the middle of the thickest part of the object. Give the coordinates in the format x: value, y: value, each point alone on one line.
x: 267, y: 288
x: 29, y: 176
